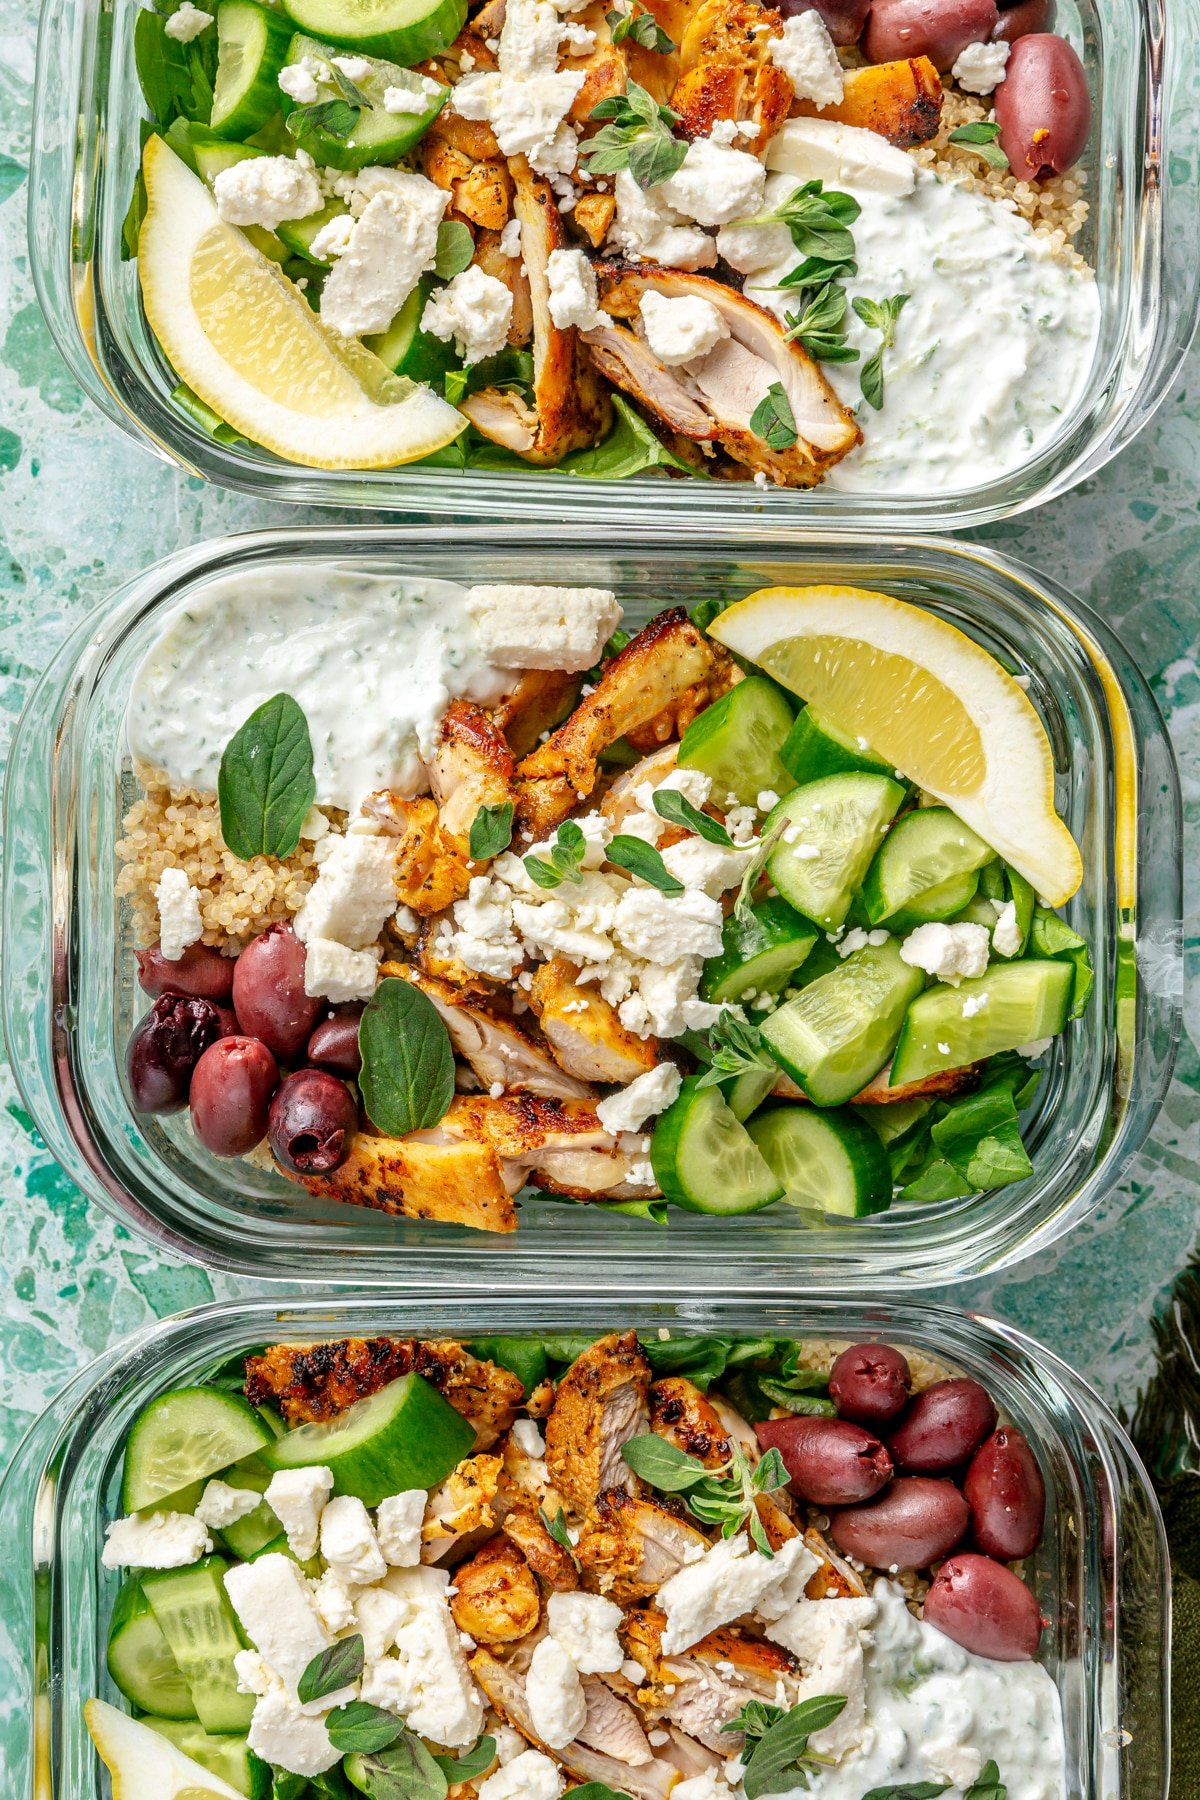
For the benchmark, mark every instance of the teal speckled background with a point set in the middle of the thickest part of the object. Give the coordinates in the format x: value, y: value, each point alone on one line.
x: 82, y: 509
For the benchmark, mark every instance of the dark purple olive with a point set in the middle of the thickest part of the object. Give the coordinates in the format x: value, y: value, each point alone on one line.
x: 984, y: 1607
x: 165, y: 1047
x: 1023, y: 19
x: 1007, y: 1496
x: 312, y: 1122
x: 869, y: 1384
x: 231, y: 1094
x: 269, y: 996
x: 842, y: 19
x: 334, y: 1043
x: 938, y: 29
x: 830, y: 1462
x: 201, y: 971
x: 943, y: 1427
x: 914, y: 1523
x: 1043, y: 107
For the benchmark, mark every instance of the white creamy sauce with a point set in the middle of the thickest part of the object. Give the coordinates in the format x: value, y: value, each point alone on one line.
x: 931, y: 1704
x: 372, y: 661
x: 992, y: 351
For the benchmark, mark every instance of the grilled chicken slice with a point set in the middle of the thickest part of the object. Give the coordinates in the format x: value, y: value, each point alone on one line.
x: 684, y: 1416
x: 596, y: 1175
x: 715, y: 1678
x: 613, y: 1726
x: 835, y: 1579
x: 313, y: 1382
x: 550, y: 1561
x: 462, y: 157
x: 902, y: 101
x: 496, y: 1049
x: 559, y: 1143
x: 728, y: 383
x: 661, y: 679
x: 570, y: 407
x: 599, y: 1405
x: 542, y: 699
x: 584, y: 1033
x: 498, y: 1598
x: 739, y: 1430
x: 504, y: 1685
x: 631, y: 1546
x: 495, y: 261
x: 472, y: 767
x: 726, y: 71
x: 620, y: 800
x: 878, y: 1092
x: 459, y: 1511
x: 455, y: 1183
x: 431, y: 869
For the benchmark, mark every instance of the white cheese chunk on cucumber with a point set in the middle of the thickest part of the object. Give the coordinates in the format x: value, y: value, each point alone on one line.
x: 827, y: 1160
x: 405, y: 31
x: 1012, y: 1004
x: 377, y: 136
x: 827, y: 834
x: 405, y: 1436
x: 839, y: 1031
x: 735, y: 742
x: 705, y: 1160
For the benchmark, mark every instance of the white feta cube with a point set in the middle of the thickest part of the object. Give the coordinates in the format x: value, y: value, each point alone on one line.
x: 808, y: 57
x: 221, y: 1504
x: 474, y: 310
x: 730, y: 1579
x: 282, y: 1733
x: 523, y: 626
x: 393, y: 243
x: 398, y: 1521
x: 338, y: 974
x: 948, y: 952
x: 355, y: 893
x: 554, y: 1695
x: 297, y: 1498
x: 681, y: 329
x: 277, y: 1612
x: 586, y: 1627
x: 179, y: 921
x: 981, y: 68
x: 266, y: 190
x: 573, y: 298
x: 714, y: 184
x: 646, y: 1095
x: 348, y: 1541
x: 529, y: 1776
x: 158, y: 1540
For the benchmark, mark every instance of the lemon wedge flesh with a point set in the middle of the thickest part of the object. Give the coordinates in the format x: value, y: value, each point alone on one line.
x: 145, y: 1766
x: 929, y: 699
x: 244, y: 338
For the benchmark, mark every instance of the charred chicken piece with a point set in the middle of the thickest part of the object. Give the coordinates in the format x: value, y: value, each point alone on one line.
x: 630, y: 1546
x: 726, y: 71
x: 313, y: 1382
x: 584, y: 1033
x: 599, y: 1405
x: 684, y: 1416
x: 902, y: 101
x: 498, y: 1599
x: 462, y: 157
x: 453, y: 1183
x: 495, y: 1048
x: 715, y: 1678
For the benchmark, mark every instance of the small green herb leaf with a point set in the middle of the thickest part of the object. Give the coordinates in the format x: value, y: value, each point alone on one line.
x: 643, y: 860
x: 358, y: 1726
x: 491, y: 831
x: 406, y: 1770
x: 663, y: 1464
x: 471, y: 1763
x: 407, y: 1075
x: 981, y: 137
x: 988, y: 1787
x: 336, y: 118
x: 818, y: 219
x: 455, y: 248
x: 881, y: 316
x: 772, y: 1763
x: 597, y: 1790
x: 565, y: 862
x: 735, y: 1047
x: 266, y: 784
x: 557, y: 1527
x: 755, y: 1718
x: 908, y: 1790
x: 773, y: 419
x: 349, y: 91
x: 821, y: 327
x: 639, y: 138
x: 642, y: 27
x: 670, y: 805
x: 332, y: 1669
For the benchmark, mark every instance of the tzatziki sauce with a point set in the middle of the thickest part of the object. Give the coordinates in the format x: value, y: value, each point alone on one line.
x: 372, y: 660
x: 937, y: 1713
x: 993, y: 349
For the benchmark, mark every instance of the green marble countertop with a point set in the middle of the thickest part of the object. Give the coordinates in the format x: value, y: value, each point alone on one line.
x: 82, y: 509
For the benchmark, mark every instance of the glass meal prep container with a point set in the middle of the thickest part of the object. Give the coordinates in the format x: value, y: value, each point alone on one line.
x: 1143, y: 239
x: 1100, y: 1572
x: 71, y: 996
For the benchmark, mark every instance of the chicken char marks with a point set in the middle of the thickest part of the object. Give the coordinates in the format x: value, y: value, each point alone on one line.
x: 313, y: 1382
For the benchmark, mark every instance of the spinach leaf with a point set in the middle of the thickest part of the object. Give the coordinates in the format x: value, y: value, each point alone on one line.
x: 631, y: 448
x: 266, y: 784
x: 407, y: 1075
x: 523, y: 1357
x: 1052, y: 937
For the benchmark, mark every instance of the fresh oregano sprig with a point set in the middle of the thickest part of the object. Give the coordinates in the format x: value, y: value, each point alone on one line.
x: 981, y: 137
x: 776, y: 1748
x: 821, y: 326
x: 671, y: 805
x: 565, y: 862
x: 880, y: 316
x: 642, y: 27
x: 735, y: 1047
x: 773, y: 419
x: 723, y: 1496
x: 639, y: 138
x: 819, y: 220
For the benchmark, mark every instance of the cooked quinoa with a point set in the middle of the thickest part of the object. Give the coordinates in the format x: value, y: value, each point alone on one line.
x: 182, y: 829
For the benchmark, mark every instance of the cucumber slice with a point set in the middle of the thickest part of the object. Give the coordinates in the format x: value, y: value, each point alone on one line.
x: 921, y: 853
x: 405, y: 1436
x: 736, y: 742
x: 140, y: 1659
x: 228, y: 1756
x: 247, y: 1536
x: 840, y: 1030
x: 279, y: 1546
x: 946, y: 901
x: 1022, y: 1002
x: 184, y: 1436
x: 761, y: 951
x: 252, y: 47
x: 406, y: 31
x: 841, y: 818
x: 829, y: 1160
x: 408, y: 350
x: 704, y: 1160
x: 815, y: 747
x: 198, y: 1622
x: 297, y: 234
x: 377, y: 136
x: 746, y: 1092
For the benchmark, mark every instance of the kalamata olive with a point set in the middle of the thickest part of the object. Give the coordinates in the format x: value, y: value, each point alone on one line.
x: 231, y: 1093
x: 1043, y: 107
x: 843, y: 19
x: 269, y: 996
x: 1007, y: 1496
x: 1020, y: 20
x: 201, y: 971
x: 869, y: 1383
x: 984, y: 1607
x: 914, y: 1523
x: 165, y: 1047
x: 831, y: 1462
x: 311, y: 1122
x: 334, y: 1043
x: 938, y: 29
x: 943, y: 1427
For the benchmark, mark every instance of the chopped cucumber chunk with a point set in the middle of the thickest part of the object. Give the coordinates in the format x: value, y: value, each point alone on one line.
x: 404, y: 1436
x: 183, y: 1436
x: 946, y: 901
x: 828, y: 1160
x: 707, y: 1162
x: 377, y: 136
x: 840, y: 1030
x: 406, y: 31
x: 746, y: 1092
x: 252, y: 44
x: 923, y: 852
x: 140, y: 1659
x: 408, y: 350
x: 198, y: 1622
x: 735, y: 742
x: 815, y: 747
x: 1012, y: 1004
x: 828, y: 833
x: 761, y: 951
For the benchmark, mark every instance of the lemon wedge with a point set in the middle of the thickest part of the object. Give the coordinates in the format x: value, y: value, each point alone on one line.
x: 929, y: 699
x: 246, y: 341
x: 145, y: 1766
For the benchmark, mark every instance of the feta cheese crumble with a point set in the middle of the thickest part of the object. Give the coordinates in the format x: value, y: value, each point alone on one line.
x: 554, y: 1695
x: 533, y: 627
x: 398, y: 1522
x: 266, y: 190
x: 586, y: 1627
x: 297, y: 1497
x: 187, y: 22
x: 647, y: 228
x: 948, y: 952
x: 808, y: 57
x: 980, y: 68
x: 678, y: 330
x: 354, y: 894
x: 277, y: 1612
x: 573, y: 296
x: 221, y: 1504
x: 730, y: 1579
x: 391, y: 245
x: 158, y: 1540
x: 528, y: 1776
x: 714, y: 184
x: 645, y: 1096
x: 1006, y: 933
x: 527, y: 98
x: 348, y: 1541
x: 475, y: 309
x: 179, y: 921
x: 298, y: 80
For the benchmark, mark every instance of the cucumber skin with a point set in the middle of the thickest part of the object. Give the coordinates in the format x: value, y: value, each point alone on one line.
x: 260, y: 101
x: 404, y: 44
x: 773, y: 925
x: 220, y: 1708
x: 811, y: 750
x: 903, y: 988
x: 946, y: 901
x: 135, y: 1496
x: 874, y: 1172
x: 924, y: 824
x: 382, y: 1464
x: 395, y: 134
x: 701, y: 745
x: 132, y: 1611
x: 916, y: 1049
x: 788, y: 873
x: 668, y: 1134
